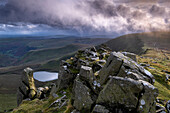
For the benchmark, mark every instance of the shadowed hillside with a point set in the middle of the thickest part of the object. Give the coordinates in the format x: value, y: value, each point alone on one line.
x: 137, y: 42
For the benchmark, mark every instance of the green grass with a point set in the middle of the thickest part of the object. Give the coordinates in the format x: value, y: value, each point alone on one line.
x: 136, y: 42
x: 39, y: 106
x: 155, y: 55
x: 8, y: 101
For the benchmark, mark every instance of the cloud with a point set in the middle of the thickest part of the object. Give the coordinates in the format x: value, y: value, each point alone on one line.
x: 88, y: 16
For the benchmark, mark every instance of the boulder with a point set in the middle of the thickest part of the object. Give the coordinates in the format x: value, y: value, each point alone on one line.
x: 147, y: 101
x: 111, y: 67
x: 81, y: 96
x: 160, y: 108
x: 130, y: 55
x: 168, y: 106
x: 120, y: 93
x: 64, y: 78
x: 119, y: 65
x: 86, y: 73
x: 27, y: 87
x: 100, y: 109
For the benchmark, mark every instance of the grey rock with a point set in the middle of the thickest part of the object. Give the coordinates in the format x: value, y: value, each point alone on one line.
x: 111, y: 67
x: 168, y: 106
x: 64, y: 78
x: 86, y: 73
x: 93, y: 49
x: 160, y: 108
x: 130, y: 55
x: 59, y: 102
x: 147, y: 101
x: 100, y: 109
x: 96, y: 67
x: 167, y: 77
x: 27, y: 87
x: 144, y: 64
x: 75, y: 111
x: 81, y: 96
x: 134, y: 74
x: 53, y: 89
x: 120, y: 91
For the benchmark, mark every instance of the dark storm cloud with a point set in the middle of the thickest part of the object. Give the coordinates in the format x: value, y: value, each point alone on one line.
x: 157, y: 10
x: 88, y: 15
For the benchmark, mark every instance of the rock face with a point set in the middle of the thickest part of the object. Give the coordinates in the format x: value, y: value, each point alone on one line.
x: 81, y: 96
x: 109, y: 82
x: 27, y: 89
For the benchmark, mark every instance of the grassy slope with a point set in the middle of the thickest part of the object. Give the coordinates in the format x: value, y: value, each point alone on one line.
x: 15, y: 48
x: 7, y: 101
x: 158, y: 61
x: 136, y: 42
x: 155, y: 47
x: 48, y: 54
x: 49, y: 60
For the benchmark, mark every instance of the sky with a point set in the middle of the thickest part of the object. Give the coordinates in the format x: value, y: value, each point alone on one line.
x: 83, y: 17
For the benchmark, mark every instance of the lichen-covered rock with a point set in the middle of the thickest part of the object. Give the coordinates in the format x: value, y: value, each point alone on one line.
x: 130, y: 55
x: 27, y: 87
x: 120, y: 93
x: 86, y: 73
x: 111, y: 67
x: 100, y: 109
x: 119, y: 65
x: 101, y: 82
x: 160, y: 108
x: 64, y: 77
x: 81, y: 96
x: 147, y: 101
x: 168, y: 106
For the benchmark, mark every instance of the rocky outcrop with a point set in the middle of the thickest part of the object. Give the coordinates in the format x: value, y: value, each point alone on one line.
x: 98, y: 81
x: 27, y: 89
x: 108, y: 82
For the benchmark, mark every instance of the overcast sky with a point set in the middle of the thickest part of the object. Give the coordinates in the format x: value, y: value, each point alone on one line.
x: 84, y: 16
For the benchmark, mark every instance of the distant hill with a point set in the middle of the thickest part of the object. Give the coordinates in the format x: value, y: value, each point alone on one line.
x: 14, y: 51
x: 42, y: 55
x: 137, y: 42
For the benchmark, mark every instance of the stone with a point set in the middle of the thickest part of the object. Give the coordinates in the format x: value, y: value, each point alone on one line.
x: 75, y: 111
x: 160, y: 108
x: 59, y: 102
x: 53, y: 89
x: 167, y: 77
x: 144, y: 64
x: 81, y: 62
x: 168, y: 106
x: 133, y: 74
x: 96, y: 67
x: 111, y: 67
x: 130, y: 55
x: 100, y: 109
x: 147, y: 102
x: 86, y: 73
x: 27, y: 87
x: 120, y: 91
x: 64, y: 78
x: 93, y: 49
x: 81, y: 96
